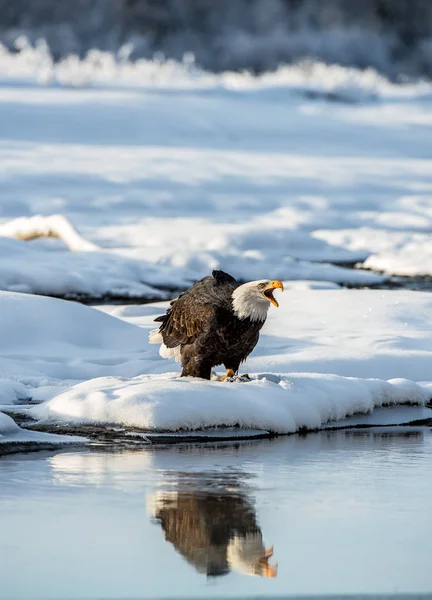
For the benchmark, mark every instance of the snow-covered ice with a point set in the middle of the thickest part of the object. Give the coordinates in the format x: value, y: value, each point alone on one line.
x: 167, y: 172
x: 29, y: 268
x: 86, y: 366
x: 12, y: 435
x: 412, y: 258
x: 278, y: 404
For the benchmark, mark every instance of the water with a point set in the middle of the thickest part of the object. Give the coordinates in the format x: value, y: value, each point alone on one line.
x: 347, y: 512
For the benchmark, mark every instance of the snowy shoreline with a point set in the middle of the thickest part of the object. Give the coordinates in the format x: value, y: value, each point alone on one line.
x: 92, y: 370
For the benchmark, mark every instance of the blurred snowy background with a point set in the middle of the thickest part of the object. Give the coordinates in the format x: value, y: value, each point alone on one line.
x: 179, y: 136
x: 392, y: 36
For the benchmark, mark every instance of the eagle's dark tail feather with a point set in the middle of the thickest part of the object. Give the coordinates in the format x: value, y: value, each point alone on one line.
x: 222, y: 277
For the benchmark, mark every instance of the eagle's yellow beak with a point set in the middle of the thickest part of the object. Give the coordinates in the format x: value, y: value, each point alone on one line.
x: 268, y: 291
x: 270, y: 571
x: 265, y: 569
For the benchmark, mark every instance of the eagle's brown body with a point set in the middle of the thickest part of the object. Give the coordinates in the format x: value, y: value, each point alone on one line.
x: 202, y: 322
x: 203, y: 525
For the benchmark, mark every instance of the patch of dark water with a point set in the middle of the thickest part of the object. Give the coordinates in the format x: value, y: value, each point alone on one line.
x: 418, y: 283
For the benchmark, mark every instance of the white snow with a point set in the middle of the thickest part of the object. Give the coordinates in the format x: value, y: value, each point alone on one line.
x: 413, y: 258
x: 168, y: 172
x: 12, y: 392
x: 396, y: 251
x: 45, y: 338
x: 38, y: 269
x: 29, y: 268
x: 35, y: 64
x: 7, y: 426
x: 279, y: 404
x: 11, y: 433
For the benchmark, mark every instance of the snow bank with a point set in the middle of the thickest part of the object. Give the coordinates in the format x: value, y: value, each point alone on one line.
x: 282, y: 404
x: 7, y: 426
x: 404, y: 250
x: 35, y: 325
x: 12, y: 392
x: 12, y: 434
x: 29, y: 268
x: 35, y: 64
x: 95, y: 273
x: 249, y: 265
x: 44, y: 338
x: 413, y: 258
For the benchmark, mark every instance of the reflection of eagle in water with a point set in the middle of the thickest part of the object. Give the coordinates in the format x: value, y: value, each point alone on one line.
x: 216, y: 321
x: 215, y: 533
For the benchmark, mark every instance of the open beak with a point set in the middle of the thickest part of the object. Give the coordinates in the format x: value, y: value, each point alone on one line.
x: 267, y: 570
x: 268, y: 292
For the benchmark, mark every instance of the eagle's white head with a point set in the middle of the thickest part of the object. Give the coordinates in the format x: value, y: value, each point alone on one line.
x: 252, y: 300
x: 246, y: 554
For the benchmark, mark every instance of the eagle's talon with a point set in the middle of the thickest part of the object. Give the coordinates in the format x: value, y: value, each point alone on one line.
x: 230, y: 373
x: 236, y: 378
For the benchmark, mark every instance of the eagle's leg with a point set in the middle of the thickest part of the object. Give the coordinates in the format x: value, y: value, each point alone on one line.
x: 196, y: 368
x: 202, y: 371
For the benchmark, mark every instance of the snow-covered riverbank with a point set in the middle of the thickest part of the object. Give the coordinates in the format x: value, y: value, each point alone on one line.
x: 324, y: 355
x: 168, y: 173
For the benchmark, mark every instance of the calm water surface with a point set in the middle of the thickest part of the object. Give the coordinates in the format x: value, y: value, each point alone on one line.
x: 346, y: 512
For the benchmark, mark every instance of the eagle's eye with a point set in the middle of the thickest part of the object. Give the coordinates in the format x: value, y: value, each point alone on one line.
x: 261, y: 286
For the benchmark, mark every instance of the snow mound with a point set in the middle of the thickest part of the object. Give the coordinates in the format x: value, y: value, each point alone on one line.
x: 402, y: 249
x: 43, y: 338
x: 411, y: 259
x: 277, y: 403
x: 12, y: 392
x: 29, y: 268
x: 7, y: 426
x: 11, y: 433
x: 39, y: 324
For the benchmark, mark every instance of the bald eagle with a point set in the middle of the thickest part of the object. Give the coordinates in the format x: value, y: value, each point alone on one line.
x: 216, y: 321
x: 215, y: 532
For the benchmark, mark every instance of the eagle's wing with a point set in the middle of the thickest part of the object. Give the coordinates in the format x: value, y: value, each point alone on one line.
x: 185, y: 320
x: 194, y: 311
